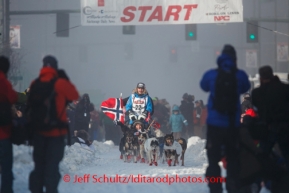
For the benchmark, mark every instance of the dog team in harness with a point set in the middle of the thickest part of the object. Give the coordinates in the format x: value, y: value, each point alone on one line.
x: 137, y: 142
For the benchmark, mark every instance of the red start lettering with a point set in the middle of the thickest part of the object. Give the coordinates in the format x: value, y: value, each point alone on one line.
x: 173, y: 11
x: 222, y: 18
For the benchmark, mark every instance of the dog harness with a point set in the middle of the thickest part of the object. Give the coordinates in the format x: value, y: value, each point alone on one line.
x: 176, y: 146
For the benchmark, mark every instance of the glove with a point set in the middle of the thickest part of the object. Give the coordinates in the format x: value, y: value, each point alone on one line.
x: 115, y: 122
x: 143, y: 116
x: 131, y: 115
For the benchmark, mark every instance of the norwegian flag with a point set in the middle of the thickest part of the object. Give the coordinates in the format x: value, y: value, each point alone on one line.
x: 112, y: 108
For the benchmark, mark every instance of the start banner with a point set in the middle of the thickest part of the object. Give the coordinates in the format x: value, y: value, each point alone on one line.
x: 158, y: 12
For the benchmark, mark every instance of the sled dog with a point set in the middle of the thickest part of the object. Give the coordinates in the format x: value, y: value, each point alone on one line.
x: 173, y: 149
x: 152, y: 150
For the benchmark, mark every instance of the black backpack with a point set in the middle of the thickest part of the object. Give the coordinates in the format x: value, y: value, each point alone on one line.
x: 5, y: 113
x: 41, y: 111
x: 226, y: 97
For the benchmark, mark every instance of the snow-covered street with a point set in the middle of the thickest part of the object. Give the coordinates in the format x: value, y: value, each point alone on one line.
x: 88, y: 167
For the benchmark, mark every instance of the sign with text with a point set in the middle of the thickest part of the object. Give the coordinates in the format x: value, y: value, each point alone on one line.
x: 15, y: 36
x: 157, y: 12
x: 251, y: 58
x: 282, y: 52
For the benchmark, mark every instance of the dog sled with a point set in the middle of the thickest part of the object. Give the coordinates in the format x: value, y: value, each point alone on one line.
x: 142, y: 147
x: 150, y: 149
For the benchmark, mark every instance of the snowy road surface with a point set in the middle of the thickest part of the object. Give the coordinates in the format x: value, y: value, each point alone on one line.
x: 103, y: 171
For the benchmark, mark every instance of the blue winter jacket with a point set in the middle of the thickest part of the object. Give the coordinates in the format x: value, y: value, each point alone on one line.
x: 208, y: 85
x: 148, y: 105
x: 177, y: 120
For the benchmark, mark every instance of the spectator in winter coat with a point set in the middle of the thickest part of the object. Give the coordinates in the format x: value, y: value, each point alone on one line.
x: 187, y: 109
x: 246, y: 103
x: 48, y: 146
x: 222, y: 132
x: 110, y: 133
x: 161, y: 114
x: 166, y: 104
x: 200, y: 116
x: 204, y: 115
x: 272, y: 102
x: 197, y: 119
x: 176, y: 122
x: 96, y: 123
x: 82, y: 113
x: 70, y: 111
x: 7, y: 98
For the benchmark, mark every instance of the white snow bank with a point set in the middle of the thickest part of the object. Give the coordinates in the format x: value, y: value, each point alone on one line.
x: 77, y: 157
x: 196, y: 153
x: 22, y: 166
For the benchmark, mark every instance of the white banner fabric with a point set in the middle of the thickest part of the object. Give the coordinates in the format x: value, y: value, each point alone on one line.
x: 158, y: 12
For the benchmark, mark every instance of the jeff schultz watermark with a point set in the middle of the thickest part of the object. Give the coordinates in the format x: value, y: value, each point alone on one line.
x: 168, y: 179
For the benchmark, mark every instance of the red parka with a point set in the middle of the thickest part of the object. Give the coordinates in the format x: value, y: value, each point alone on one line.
x: 7, y: 94
x: 65, y: 91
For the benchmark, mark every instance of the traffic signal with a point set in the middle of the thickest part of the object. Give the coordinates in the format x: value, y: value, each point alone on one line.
x: 62, y: 24
x: 128, y: 29
x: 252, y: 32
x: 191, y: 31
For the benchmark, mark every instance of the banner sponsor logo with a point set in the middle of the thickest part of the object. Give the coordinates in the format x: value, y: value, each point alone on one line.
x: 222, y: 18
x: 88, y: 10
x: 146, y: 12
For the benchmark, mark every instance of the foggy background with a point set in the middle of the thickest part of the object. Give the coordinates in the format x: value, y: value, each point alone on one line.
x: 103, y: 62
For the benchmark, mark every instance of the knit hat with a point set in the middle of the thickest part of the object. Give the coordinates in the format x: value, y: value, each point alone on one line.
x: 50, y: 61
x: 4, y: 64
x: 140, y: 85
x: 230, y: 51
x: 185, y: 96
